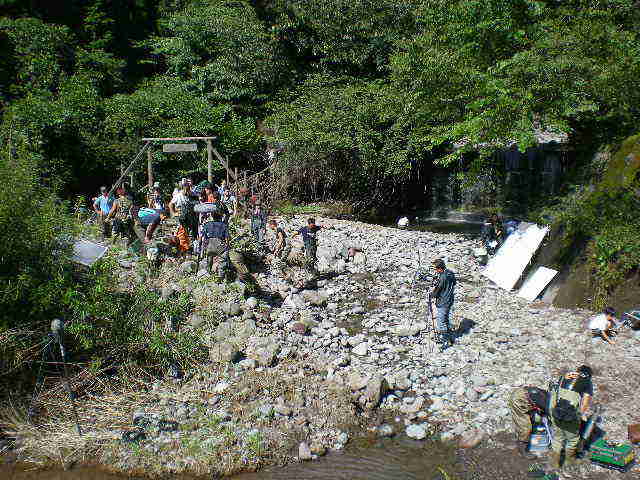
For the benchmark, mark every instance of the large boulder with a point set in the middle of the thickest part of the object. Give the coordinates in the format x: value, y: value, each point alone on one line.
x: 223, y: 352
x: 245, y: 330
x: 224, y: 331
x: 189, y: 267
x: 314, y: 297
x: 230, y: 308
x: 263, y: 350
x: 376, y: 388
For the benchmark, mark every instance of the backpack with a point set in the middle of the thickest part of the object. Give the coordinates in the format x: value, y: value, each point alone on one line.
x: 565, y: 404
x: 124, y: 208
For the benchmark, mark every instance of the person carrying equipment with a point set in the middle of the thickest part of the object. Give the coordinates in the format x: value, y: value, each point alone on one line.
x: 444, y: 295
x: 214, y: 242
x: 570, y: 400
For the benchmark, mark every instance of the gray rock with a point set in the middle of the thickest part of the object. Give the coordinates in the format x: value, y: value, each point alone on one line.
x: 471, y: 439
x: 263, y: 350
x: 361, y: 349
x: 385, y: 430
x: 376, y: 387
x: 471, y: 395
x: 166, y: 293
x: 248, y: 315
x: 248, y: 363
x: 304, y: 452
x: 223, y: 352
x: 417, y: 432
x: 230, y: 308
x: 251, y: 303
x: 245, y: 329
x: 414, y: 406
x: 223, y: 332
x: 195, y: 320
x: 188, y: 267
x: 356, y: 381
x: 182, y: 413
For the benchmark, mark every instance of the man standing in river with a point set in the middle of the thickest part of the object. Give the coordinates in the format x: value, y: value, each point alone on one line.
x: 443, y: 293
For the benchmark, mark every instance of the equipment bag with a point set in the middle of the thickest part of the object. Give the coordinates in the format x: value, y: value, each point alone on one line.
x: 565, y: 406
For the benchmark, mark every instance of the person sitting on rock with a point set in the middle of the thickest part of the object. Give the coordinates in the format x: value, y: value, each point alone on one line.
x: 602, y: 325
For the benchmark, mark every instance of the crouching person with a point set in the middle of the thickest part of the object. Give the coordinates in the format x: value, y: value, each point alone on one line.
x: 525, y: 403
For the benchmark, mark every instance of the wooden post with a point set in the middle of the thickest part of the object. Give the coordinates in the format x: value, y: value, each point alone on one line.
x: 227, y: 170
x: 150, y: 170
x: 209, y: 161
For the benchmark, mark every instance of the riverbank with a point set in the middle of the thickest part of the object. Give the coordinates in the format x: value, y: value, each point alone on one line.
x: 294, y: 373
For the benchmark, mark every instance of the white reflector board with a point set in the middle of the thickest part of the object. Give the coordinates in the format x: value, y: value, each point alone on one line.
x: 506, y: 266
x: 87, y: 253
x: 536, y: 283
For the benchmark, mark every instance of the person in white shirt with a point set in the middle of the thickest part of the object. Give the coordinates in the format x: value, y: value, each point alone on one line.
x: 602, y: 325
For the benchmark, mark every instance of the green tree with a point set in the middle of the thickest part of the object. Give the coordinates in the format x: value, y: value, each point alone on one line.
x: 352, y: 37
x: 487, y: 73
x: 34, y: 263
x: 342, y: 137
x: 168, y: 107
x: 220, y: 48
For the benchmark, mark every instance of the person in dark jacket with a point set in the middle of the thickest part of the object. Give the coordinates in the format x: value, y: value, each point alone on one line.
x: 443, y: 294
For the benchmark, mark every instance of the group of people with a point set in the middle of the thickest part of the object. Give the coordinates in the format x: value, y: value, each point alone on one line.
x: 202, y: 213
x: 117, y: 214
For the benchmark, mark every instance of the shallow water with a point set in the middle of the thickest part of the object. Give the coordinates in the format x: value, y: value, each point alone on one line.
x: 467, y: 229
x: 389, y: 459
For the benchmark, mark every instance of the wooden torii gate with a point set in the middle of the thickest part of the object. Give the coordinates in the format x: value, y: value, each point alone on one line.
x: 211, y: 151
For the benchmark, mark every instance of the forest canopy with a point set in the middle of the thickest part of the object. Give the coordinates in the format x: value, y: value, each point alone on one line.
x: 354, y: 91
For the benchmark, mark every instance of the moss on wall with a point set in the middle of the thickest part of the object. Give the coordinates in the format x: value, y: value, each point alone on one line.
x: 598, y: 236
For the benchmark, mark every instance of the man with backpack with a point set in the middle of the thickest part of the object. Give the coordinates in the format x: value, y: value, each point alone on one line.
x: 258, y: 223
x: 121, y: 213
x: 570, y: 400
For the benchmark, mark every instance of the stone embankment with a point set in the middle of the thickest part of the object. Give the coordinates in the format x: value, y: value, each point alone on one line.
x: 295, y: 371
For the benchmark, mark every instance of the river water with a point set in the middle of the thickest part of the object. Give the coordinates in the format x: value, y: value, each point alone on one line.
x: 390, y: 459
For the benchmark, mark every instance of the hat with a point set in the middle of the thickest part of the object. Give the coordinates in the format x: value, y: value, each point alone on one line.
x: 103, y: 189
x: 156, y: 185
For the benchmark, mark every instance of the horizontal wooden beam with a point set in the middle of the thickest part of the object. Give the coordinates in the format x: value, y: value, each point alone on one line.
x: 176, y: 139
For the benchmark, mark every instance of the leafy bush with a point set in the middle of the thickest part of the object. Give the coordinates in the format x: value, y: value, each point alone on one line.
x: 34, y: 248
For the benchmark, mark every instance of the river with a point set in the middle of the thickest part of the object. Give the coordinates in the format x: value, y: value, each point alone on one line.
x: 390, y: 459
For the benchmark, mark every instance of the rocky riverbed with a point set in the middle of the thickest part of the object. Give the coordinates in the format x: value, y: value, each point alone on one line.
x: 297, y: 370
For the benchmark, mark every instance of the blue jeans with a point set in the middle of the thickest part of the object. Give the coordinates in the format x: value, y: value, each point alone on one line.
x: 442, y: 318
